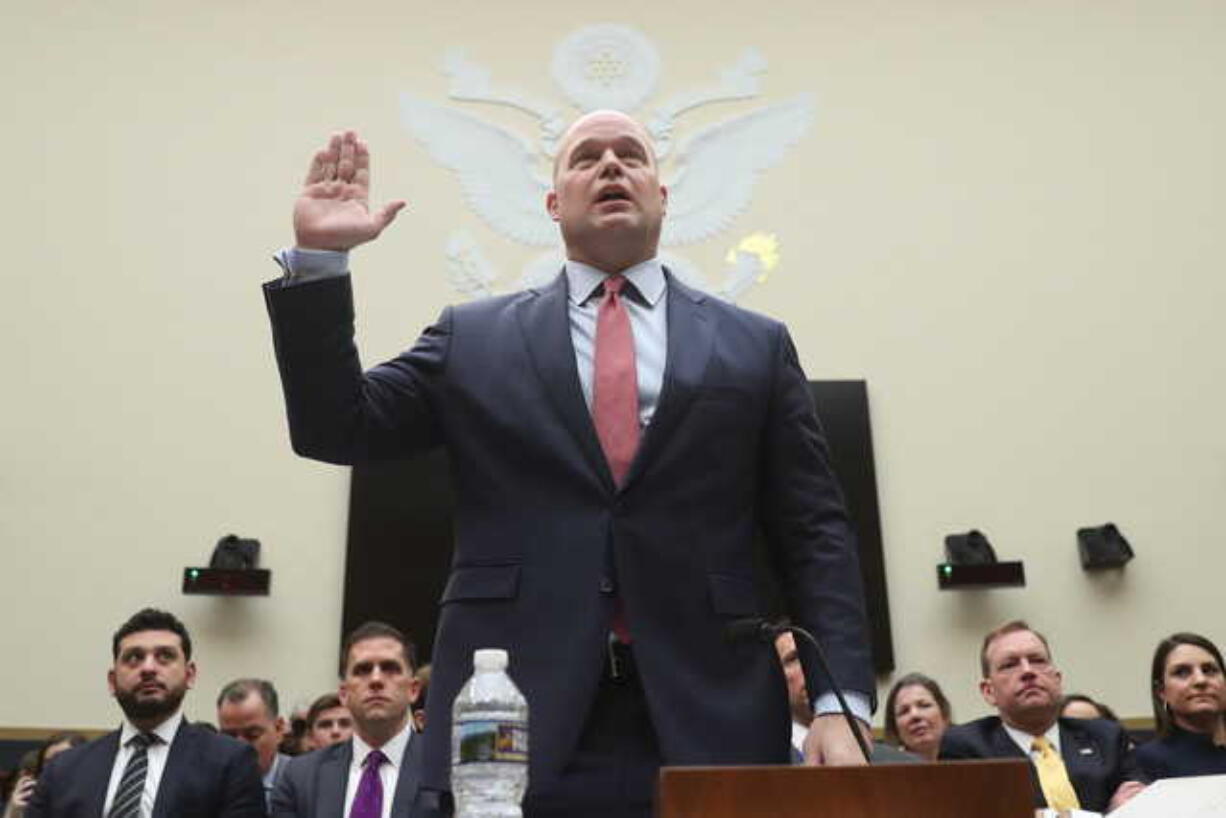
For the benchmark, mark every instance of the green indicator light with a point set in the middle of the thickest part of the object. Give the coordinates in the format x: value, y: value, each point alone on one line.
x: 194, y: 573
x: 947, y: 569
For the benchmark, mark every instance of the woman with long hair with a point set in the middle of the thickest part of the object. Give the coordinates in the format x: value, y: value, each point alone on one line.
x: 1189, y: 698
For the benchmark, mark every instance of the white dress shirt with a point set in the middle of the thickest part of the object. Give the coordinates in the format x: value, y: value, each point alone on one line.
x: 156, y: 755
x: 647, y: 306
x: 389, y: 771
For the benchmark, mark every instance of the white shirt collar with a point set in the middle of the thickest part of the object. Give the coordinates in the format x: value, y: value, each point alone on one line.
x: 646, y: 276
x: 165, y: 731
x: 1025, y: 740
x: 393, y: 749
x: 799, y: 733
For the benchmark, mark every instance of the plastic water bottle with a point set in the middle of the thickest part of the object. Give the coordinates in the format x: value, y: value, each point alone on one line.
x: 489, y: 741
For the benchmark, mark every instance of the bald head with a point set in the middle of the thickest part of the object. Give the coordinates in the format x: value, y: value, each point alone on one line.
x: 607, y: 198
x: 596, y: 119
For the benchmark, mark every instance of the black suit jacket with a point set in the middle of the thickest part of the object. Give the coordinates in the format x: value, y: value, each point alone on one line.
x: 313, y: 785
x: 544, y: 539
x: 206, y: 776
x: 1097, y: 754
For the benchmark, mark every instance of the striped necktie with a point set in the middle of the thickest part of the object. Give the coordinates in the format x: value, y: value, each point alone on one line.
x: 132, y: 784
x: 1053, y: 776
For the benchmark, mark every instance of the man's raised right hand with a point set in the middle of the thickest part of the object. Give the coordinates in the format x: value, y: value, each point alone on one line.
x: 333, y: 211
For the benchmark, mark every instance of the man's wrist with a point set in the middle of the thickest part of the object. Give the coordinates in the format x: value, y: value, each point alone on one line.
x: 303, y: 264
x: 828, y: 704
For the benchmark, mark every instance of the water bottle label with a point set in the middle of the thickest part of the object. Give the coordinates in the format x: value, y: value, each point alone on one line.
x: 492, y: 741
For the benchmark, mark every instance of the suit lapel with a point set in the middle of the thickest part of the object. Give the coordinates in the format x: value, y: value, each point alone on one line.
x: 178, y: 761
x: 333, y: 779
x: 691, y: 338
x: 409, y: 778
x: 544, y: 320
x: 1080, y: 754
x: 1004, y: 746
x: 96, y: 775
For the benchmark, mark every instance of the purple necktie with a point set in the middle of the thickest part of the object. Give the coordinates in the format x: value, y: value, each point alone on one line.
x: 368, y: 803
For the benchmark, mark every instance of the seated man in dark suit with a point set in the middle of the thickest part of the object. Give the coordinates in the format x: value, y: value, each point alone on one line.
x: 382, y: 761
x: 156, y: 765
x: 249, y: 710
x: 1076, y: 763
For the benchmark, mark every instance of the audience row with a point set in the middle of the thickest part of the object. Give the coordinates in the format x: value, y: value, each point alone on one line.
x: 1081, y: 756
x: 158, y: 757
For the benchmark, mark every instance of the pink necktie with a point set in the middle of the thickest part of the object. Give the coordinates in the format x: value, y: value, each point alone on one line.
x: 615, y: 389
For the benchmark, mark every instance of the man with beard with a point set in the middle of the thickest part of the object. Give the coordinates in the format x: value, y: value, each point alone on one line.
x: 157, y: 763
x: 377, y: 772
x: 1075, y: 763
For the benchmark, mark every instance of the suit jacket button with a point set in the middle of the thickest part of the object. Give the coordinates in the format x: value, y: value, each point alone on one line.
x: 606, y: 585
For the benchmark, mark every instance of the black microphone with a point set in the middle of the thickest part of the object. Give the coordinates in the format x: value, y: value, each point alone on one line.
x: 739, y: 630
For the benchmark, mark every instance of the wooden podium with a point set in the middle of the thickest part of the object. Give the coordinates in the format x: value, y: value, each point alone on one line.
x: 949, y: 789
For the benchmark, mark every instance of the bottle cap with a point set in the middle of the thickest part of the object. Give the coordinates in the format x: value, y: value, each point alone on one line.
x: 487, y: 659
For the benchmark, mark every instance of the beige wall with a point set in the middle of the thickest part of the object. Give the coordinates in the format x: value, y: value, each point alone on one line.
x: 1008, y: 218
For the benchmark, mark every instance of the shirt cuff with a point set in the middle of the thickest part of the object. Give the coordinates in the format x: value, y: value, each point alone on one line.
x: 302, y: 265
x: 857, y: 703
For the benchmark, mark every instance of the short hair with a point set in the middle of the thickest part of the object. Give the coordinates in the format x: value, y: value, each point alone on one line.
x: 423, y: 689
x: 1163, y: 722
x: 1012, y: 626
x: 71, y: 738
x: 325, y: 702
x: 239, y: 689
x: 1104, y: 711
x: 377, y: 630
x: 913, y: 680
x: 151, y: 619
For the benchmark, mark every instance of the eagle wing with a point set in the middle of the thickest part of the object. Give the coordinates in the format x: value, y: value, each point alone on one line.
x: 495, y: 167
x: 718, y: 167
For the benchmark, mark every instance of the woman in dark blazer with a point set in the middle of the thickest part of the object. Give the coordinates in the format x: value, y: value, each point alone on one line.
x: 1189, y: 698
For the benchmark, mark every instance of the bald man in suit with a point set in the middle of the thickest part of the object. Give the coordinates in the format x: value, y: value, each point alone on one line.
x: 617, y: 440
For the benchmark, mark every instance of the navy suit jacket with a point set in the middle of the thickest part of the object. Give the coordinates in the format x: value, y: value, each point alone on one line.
x: 206, y: 776
x: 313, y: 785
x: 544, y: 539
x: 1097, y: 754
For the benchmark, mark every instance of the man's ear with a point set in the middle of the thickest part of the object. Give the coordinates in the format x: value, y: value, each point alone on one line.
x: 110, y: 681
x: 414, y: 690
x: 664, y: 199
x: 343, y: 693
x: 551, y: 205
x: 988, y: 691
x: 280, y: 726
x: 190, y: 676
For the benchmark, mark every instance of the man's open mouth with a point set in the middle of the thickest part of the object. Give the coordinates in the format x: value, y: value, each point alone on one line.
x: 613, y: 195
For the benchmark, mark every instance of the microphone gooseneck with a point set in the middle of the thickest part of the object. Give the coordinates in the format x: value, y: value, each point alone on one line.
x: 757, y: 628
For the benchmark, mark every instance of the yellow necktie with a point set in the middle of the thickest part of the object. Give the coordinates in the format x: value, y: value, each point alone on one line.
x: 1053, y: 777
